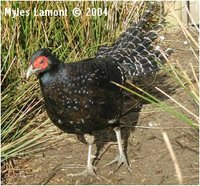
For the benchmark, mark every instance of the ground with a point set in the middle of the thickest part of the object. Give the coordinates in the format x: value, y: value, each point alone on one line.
x: 147, y: 152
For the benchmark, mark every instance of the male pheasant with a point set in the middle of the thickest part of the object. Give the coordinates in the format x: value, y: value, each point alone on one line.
x: 80, y: 97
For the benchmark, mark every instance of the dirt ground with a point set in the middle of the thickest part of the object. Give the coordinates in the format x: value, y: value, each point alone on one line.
x: 146, y: 150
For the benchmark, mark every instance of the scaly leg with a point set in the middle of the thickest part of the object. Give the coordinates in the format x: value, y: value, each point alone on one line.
x: 90, y: 169
x: 121, y: 157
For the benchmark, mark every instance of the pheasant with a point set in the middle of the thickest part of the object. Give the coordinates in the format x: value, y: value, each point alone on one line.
x: 80, y: 97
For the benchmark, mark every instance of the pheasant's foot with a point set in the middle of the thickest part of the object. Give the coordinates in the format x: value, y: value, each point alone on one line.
x: 120, y: 160
x: 90, y: 171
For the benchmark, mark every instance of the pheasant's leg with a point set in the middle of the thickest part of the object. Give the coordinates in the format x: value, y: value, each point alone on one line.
x: 90, y: 169
x: 101, y: 153
x: 121, y: 157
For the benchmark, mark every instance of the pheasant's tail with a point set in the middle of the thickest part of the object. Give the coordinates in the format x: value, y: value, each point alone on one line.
x: 135, y: 51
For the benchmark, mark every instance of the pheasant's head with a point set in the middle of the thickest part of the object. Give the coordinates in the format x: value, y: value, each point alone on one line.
x: 41, y: 61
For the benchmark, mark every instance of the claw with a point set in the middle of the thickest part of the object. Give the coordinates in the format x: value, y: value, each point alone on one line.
x: 89, y: 171
x: 121, y: 158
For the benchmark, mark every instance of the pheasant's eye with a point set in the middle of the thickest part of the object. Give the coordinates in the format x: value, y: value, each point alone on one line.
x: 42, y: 61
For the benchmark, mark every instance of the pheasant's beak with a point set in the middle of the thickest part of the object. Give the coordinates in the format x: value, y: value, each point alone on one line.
x: 30, y: 71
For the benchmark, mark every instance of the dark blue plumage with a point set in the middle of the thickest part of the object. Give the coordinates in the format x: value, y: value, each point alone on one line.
x: 80, y: 97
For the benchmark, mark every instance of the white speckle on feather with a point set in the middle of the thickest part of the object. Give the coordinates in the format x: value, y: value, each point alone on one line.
x: 112, y: 121
x: 75, y: 108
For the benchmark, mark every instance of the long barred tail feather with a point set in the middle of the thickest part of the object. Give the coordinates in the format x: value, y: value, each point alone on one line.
x: 134, y: 51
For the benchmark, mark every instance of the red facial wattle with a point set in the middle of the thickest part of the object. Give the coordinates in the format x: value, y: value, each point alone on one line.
x: 41, y: 63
